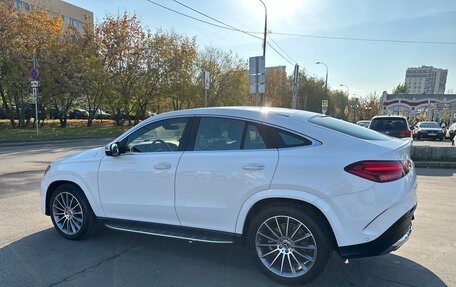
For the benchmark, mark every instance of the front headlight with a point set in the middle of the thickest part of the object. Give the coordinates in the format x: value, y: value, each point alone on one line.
x: 47, y: 169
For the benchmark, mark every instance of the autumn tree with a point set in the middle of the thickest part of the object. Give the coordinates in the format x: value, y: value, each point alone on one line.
x: 228, y: 78
x: 277, y: 88
x: 22, y: 35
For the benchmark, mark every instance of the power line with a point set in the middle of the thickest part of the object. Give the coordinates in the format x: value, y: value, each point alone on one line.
x: 278, y: 46
x: 364, y: 39
x: 188, y: 16
x: 250, y: 33
x: 218, y: 21
x: 225, y: 25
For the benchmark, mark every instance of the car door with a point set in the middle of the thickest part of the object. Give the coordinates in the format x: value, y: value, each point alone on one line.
x: 227, y: 161
x: 139, y: 183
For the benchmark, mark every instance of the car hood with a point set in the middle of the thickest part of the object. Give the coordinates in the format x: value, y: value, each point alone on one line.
x: 90, y: 153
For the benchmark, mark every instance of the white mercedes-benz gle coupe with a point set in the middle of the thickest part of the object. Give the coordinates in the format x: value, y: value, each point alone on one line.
x: 292, y: 186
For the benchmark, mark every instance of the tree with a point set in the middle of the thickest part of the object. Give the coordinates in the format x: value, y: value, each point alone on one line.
x: 400, y: 89
x: 228, y: 78
x: 120, y: 41
x: 277, y: 88
x: 22, y: 35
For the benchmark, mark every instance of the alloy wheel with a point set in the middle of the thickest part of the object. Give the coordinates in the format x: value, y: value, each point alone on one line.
x: 286, y: 246
x: 67, y: 213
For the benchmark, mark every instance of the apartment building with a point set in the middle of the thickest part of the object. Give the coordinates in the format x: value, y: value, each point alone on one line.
x: 426, y: 80
x: 71, y: 14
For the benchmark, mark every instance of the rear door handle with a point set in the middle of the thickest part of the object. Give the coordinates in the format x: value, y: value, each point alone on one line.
x: 253, y: 166
x: 162, y: 165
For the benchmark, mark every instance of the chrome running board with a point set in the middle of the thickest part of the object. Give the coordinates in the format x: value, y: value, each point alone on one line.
x: 172, y: 231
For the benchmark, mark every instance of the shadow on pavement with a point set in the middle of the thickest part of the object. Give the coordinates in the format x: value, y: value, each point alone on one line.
x: 435, y: 172
x: 111, y: 258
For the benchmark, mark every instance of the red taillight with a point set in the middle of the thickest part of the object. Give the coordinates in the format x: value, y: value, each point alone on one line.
x: 380, y: 170
x: 406, y: 133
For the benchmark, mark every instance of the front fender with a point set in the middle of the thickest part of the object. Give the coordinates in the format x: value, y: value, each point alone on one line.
x: 308, y: 198
x: 92, y: 196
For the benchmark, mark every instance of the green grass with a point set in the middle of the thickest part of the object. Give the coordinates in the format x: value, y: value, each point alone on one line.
x: 52, y: 131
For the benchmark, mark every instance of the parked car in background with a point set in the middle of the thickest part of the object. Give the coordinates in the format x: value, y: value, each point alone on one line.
x: 364, y: 123
x: 428, y: 130
x: 231, y: 174
x: 394, y: 126
x: 102, y: 115
x: 79, y: 114
x: 451, y: 131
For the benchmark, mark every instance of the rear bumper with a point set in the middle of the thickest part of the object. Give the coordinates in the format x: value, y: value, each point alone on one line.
x: 393, y: 238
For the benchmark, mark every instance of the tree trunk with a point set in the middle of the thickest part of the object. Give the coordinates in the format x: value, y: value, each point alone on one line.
x: 63, y: 122
x: 7, y: 108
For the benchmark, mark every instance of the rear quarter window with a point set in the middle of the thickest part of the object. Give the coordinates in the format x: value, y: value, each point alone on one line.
x: 284, y: 139
x: 347, y: 128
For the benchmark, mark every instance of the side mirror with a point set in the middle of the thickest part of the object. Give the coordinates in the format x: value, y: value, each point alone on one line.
x: 112, y: 149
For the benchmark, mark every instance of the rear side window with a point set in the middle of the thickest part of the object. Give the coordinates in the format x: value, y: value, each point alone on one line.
x: 347, y: 128
x: 388, y: 124
x: 284, y: 139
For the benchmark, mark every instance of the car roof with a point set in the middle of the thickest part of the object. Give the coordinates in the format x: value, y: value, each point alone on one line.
x: 254, y: 113
x: 388, y: 116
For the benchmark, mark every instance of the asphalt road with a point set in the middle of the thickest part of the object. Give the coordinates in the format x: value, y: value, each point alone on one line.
x: 33, y: 254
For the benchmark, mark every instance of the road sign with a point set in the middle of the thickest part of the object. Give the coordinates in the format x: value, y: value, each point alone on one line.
x: 257, y: 65
x: 34, y: 93
x: 206, y: 80
x: 34, y: 74
x: 324, y: 106
x: 257, y: 77
x: 346, y: 111
x: 34, y: 84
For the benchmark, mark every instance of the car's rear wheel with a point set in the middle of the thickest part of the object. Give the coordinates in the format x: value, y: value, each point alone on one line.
x: 71, y: 213
x: 289, y: 244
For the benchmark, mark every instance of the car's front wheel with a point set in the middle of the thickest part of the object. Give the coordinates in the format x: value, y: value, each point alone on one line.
x: 289, y: 243
x: 71, y: 213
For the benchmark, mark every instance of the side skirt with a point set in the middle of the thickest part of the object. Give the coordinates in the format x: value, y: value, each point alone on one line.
x: 171, y: 231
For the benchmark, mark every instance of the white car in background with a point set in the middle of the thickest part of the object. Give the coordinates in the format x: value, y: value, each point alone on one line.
x: 291, y: 185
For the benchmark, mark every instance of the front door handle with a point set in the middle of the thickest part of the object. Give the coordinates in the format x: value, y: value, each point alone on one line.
x: 162, y: 165
x: 253, y: 166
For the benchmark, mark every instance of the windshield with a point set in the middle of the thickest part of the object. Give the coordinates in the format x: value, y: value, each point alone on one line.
x: 433, y: 125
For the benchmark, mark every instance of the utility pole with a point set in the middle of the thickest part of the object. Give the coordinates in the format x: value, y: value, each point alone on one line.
x: 294, y: 87
x: 265, y: 27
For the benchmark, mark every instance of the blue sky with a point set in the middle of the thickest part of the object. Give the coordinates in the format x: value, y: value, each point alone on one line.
x: 363, y: 66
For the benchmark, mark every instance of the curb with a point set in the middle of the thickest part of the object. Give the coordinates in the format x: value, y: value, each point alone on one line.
x: 435, y: 164
x: 54, y: 141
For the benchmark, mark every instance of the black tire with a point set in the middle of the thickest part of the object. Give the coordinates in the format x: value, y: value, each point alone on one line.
x: 311, y: 221
x: 84, y: 211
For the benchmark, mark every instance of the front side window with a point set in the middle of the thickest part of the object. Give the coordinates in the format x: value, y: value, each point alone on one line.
x: 219, y: 134
x: 162, y: 136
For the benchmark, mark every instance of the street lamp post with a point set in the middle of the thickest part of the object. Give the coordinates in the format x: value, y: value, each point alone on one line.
x: 265, y: 27
x: 326, y: 80
x: 346, y: 110
x: 348, y: 89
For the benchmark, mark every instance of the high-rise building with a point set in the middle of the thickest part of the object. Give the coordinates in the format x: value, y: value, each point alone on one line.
x: 426, y: 80
x: 71, y: 14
